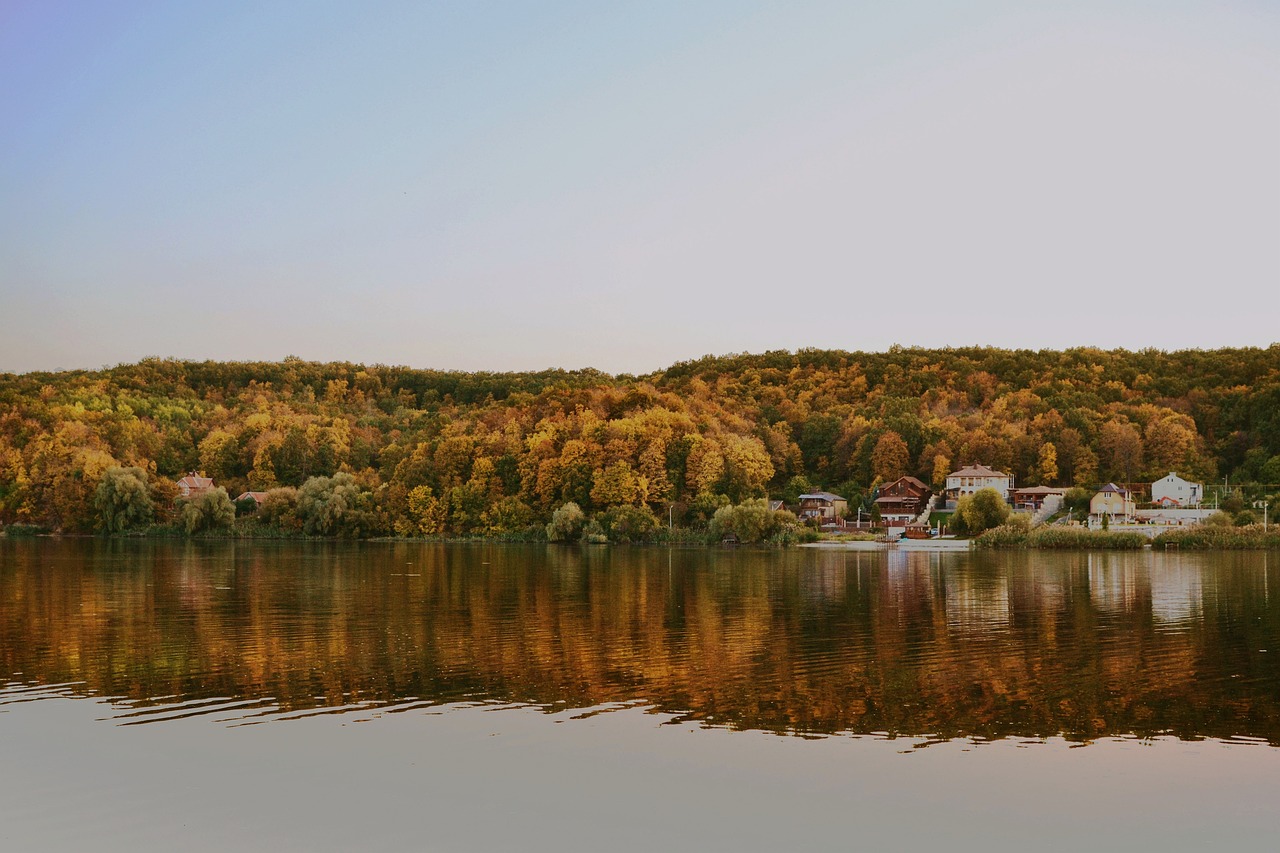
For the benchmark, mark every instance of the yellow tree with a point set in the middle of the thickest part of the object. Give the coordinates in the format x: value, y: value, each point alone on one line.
x: 747, y: 467
x: 618, y: 485
x: 1047, y: 464
x: 705, y: 466
x: 1170, y: 443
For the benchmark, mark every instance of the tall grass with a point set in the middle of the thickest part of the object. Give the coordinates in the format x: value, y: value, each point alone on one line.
x: 1060, y: 538
x: 1206, y: 537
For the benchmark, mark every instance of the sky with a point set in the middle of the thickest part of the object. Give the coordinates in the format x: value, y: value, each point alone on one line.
x: 515, y: 186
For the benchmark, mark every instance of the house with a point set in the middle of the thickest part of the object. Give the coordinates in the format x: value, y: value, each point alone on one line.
x: 1112, y: 501
x: 823, y: 506
x: 971, y: 478
x: 776, y: 506
x: 901, y: 501
x: 256, y: 497
x: 1175, y: 491
x: 1033, y: 497
x: 193, y: 485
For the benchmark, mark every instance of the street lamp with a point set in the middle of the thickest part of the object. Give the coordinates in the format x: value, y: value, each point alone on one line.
x: 1262, y: 505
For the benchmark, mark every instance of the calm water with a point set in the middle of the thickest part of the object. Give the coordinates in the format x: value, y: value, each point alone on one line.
x: 582, y: 691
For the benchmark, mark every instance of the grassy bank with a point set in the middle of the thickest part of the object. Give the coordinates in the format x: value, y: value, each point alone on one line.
x: 1206, y: 537
x: 1059, y: 538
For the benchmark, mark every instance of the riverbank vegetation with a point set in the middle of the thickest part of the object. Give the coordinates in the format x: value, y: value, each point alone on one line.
x: 362, y: 451
x: 1056, y: 537
x: 1206, y: 537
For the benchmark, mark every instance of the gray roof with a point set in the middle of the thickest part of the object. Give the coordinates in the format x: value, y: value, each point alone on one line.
x: 823, y: 496
x: 977, y: 471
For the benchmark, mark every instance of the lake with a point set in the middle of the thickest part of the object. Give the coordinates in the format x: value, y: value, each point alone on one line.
x: 402, y: 696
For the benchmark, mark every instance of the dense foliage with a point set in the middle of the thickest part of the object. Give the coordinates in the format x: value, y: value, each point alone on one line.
x: 423, y: 452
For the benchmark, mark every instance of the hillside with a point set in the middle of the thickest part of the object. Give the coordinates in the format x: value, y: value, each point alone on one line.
x: 459, y: 453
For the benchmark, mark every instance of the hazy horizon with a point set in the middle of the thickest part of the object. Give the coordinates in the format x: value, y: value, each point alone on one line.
x: 643, y: 372
x: 501, y: 187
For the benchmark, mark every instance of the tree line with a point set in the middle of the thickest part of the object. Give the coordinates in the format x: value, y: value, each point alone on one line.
x: 368, y: 450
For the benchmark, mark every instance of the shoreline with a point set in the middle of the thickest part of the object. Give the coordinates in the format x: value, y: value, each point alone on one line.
x: 909, y: 545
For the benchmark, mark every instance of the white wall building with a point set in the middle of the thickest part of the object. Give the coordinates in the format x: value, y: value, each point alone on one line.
x: 970, y: 479
x: 1175, y: 491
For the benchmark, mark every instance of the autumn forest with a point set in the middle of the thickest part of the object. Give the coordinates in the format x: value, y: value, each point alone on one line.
x: 378, y: 450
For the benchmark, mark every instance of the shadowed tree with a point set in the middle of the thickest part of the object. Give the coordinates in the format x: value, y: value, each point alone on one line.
x: 211, y: 510
x: 123, y: 500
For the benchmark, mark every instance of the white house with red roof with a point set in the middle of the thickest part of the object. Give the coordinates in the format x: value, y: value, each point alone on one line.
x: 194, y: 485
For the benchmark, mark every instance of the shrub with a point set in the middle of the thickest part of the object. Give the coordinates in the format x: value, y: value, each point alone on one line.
x: 593, y: 533
x: 753, y: 521
x: 280, y: 508
x: 16, y: 530
x: 566, y: 523
x: 628, y: 523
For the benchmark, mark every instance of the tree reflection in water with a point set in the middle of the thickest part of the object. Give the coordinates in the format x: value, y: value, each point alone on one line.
x: 904, y: 643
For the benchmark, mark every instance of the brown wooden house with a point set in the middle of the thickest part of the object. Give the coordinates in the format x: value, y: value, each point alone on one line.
x: 902, y: 500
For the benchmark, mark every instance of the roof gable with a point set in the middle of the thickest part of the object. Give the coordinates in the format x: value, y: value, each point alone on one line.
x: 977, y: 471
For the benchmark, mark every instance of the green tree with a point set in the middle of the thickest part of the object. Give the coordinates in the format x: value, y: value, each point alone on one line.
x: 795, y: 487
x: 210, y: 510
x: 332, y: 506
x: 750, y: 521
x: 981, y: 511
x: 280, y: 508
x: 123, y: 500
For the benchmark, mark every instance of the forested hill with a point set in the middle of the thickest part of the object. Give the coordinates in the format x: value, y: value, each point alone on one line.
x: 487, y: 452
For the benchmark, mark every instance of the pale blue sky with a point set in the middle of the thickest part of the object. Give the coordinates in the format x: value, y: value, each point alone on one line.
x: 623, y: 185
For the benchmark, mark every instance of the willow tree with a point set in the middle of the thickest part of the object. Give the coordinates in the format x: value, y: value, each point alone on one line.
x: 122, y: 500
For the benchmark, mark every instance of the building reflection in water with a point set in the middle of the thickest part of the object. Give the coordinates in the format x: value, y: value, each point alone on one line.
x: 904, y: 642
